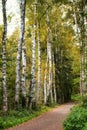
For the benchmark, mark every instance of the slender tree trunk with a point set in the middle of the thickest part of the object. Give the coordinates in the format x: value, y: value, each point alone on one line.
x: 32, y: 95
x: 61, y: 78
x: 49, y: 53
x: 19, y: 54
x: 85, y: 26
x: 5, y: 102
x: 45, y: 83
x: 39, y: 67
x: 45, y: 89
x: 85, y: 42
x: 50, y: 71
x: 23, y: 80
x: 54, y: 87
x: 83, y: 51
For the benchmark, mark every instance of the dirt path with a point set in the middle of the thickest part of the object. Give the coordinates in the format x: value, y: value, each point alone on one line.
x: 49, y: 121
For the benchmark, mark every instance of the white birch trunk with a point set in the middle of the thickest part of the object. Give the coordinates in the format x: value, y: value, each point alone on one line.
x: 49, y: 53
x: 23, y: 80
x: 83, y: 50
x: 54, y: 87
x: 85, y: 22
x: 4, y: 87
x: 45, y: 83
x: 45, y: 89
x: 19, y: 54
x: 39, y: 67
x: 50, y: 75
x: 85, y: 42
x: 32, y: 95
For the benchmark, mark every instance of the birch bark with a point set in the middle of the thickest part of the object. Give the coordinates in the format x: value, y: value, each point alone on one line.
x: 4, y: 86
x: 49, y: 53
x: 83, y: 49
x: 23, y: 80
x: 45, y: 83
x: 54, y: 87
x: 39, y: 67
x: 19, y: 54
x: 81, y: 44
x: 32, y: 95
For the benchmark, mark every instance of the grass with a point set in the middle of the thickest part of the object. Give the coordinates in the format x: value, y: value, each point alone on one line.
x: 17, y: 117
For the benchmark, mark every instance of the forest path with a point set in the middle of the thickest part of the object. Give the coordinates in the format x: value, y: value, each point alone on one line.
x: 51, y: 120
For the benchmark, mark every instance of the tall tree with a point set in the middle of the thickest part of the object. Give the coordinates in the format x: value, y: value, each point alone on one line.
x: 4, y: 86
x: 79, y: 13
x: 83, y: 47
x: 23, y: 79
x: 32, y: 95
x: 45, y: 82
x: 54, y: 87
x: 19, y: 53
x: 39, y: 66
x: 49, y: 53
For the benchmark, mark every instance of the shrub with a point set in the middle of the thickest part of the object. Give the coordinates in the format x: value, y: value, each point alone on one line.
x: 76, y: 97
x: 77, y: 120
x: 85, y: 128
x: 84, y: 101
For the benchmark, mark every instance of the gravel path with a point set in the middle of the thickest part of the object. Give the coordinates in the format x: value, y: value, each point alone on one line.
x: 49, y: 121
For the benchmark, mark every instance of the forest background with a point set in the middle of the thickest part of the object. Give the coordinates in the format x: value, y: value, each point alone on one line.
x: 44, y: 59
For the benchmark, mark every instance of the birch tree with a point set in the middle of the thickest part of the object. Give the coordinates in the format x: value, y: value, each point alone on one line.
x: 32, y: 95
x: 45, y: 83
x: 81, y: 37
x: 39, y: 67
x: 19, y: 53
x: 4, y: 38
x: 84, y: 48
x: 54, y: 87
x: 23, y: 80
x: 49, y: 53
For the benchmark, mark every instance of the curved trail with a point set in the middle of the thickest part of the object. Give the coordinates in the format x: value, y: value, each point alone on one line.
x: 51, y: 120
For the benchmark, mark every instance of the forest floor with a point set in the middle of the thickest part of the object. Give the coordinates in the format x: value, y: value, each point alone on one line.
x: 52, y: 120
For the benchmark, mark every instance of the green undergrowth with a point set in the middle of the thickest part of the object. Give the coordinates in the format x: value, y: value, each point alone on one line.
x: 14, y: 118
x: 77, y: 119
x: 76, y: 97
